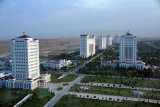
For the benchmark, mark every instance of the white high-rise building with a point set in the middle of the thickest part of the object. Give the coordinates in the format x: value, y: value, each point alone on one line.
x: 128, y: 52
x: 25, y: 57
x: 116, y: 39
x: 108, y: 40
x: 101, y: 42
x: 25, y: 64
x: 87, y: 46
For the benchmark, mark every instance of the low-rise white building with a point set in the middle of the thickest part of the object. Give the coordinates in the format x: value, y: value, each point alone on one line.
x: 2, y: 65
x: 5, y: 62
x: 87, y: 46
x: 106, y: 63
x: 140, y: 65
x: 112, y: 64
x: 57, y: 64
x: 101, y: 42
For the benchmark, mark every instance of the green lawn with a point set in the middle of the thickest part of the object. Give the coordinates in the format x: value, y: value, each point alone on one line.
x: 116, y: 91
x: 107, y: 72
x: 125, y: 81
x: 60, y: 88
x: 67, y: 78
x: 72, y: 101
x: 39, y: 99
x: 8, y: 97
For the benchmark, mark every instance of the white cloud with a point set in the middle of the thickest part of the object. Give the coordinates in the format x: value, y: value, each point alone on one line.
x: 92, y: 4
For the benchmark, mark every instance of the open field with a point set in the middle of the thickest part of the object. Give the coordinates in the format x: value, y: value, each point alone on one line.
x: 40, y: 98
x: 124, y: 81
x: 72, y: 101
x: 46, y: 46
x: 68, y: 78
x: 5, y: 47
x: 9, y: 97
x: 116, y: 91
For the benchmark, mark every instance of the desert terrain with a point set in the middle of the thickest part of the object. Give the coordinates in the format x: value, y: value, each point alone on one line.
x: 47, y: 46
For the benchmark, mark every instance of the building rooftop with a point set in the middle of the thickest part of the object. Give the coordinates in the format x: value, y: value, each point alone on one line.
x: 128, y: 33
x: 83, y: 35
x: 24, y: 36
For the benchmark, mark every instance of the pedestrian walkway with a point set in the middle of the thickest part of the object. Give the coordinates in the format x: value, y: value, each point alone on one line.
x: 118, y: 86
x: 63, y: 92
x: 112, y: 98
x: 23, y: 100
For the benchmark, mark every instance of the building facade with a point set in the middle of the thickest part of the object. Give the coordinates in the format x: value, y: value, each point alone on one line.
x: 25, y: 64
x: 87, y: 46
x: 101, y: 42
x: 25, y: 58
x: 108, y: 40
x: 128, y: 52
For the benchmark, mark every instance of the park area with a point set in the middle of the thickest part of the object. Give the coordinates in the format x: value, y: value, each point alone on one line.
x: 67, y: 101
x: 67, y: 78
x: 124, y: 81
x: 117, y: 92
x: 10, y: 97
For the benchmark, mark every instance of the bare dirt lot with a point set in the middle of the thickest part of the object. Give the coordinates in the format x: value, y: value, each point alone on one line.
x: 47, y: 46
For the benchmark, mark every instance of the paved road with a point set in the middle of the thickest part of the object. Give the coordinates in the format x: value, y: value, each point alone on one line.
x: 59, y: 94
x: 151, y: 44
x: 75, y: 71
x: 65, y: 90
x: 111, y: 97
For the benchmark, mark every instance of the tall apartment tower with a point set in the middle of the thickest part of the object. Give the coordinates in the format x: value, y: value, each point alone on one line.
x: 128, y: 51
x: 108, y: 40
x: 87, y: 46
x: 116, y: 39
x: 25, y: 57
x: 101, y: 42
x: 25, y: 64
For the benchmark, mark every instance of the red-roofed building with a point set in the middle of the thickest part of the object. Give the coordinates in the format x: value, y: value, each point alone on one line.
x: 128, y: 52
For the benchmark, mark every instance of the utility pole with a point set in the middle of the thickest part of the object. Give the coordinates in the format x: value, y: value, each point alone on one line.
x: 101, y: 61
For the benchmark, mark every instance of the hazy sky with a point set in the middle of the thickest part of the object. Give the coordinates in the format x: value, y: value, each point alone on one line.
x: 70, y: 18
